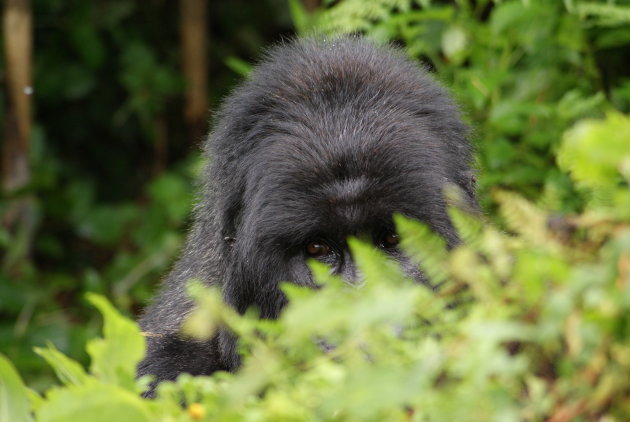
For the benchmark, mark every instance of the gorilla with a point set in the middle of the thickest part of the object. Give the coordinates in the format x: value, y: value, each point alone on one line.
x: 326, y: 139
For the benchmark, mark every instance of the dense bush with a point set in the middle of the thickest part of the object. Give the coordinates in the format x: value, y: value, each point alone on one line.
x: 531, y: 321
x: 532, y: 325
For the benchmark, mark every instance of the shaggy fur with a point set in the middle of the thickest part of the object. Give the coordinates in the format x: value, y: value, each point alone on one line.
x: 326, y: 139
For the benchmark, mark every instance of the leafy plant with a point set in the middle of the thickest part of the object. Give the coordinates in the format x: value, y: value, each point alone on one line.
x: 531, y: 318
x: 532, y: 326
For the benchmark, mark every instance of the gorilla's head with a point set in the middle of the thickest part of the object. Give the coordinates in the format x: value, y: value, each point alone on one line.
x: 326, y: 139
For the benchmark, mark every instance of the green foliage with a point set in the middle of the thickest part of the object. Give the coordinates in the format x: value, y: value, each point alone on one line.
x: 428, y: 249
x: 529, y: 326
x: 299, y: 15
x: 151, y: 235
x: 94, y: 402
x: 115, y: 357
x: 13, y: 399
x: 239, y: 66
x: 109, y: 392
x: 604, y: 172
x: 606, y: 14
x: 530, y: 322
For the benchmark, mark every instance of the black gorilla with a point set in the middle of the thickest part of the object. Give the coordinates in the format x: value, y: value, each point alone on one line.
x: 325, y: 140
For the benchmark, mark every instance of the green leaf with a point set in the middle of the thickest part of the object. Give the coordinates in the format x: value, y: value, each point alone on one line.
x: 105, y: 224
x: 241, y: 67
x: 469, y: 227
x: 593, y: 150
x: 322, y: 274
x: 523, y: 217
x: 114, y: 357
x: 298, y: 15
x: 426, y: 248
x: 13, y: 394
x: 374, y: 265
x: 209, y: 312
x: 68, y: 371
x: 94, y: 403
x: 171, y: 194
x: 455, y: 44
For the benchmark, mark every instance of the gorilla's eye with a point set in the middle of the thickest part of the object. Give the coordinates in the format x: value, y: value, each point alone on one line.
x: 317, y: 249
x: 391, y: 240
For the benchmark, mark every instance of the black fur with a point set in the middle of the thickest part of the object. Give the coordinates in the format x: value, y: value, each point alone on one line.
x: 326, y: 139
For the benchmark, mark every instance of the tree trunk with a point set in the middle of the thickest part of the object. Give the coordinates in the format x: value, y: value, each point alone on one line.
x: 311, y: 5
x: 19, y: 217
x: 194, y: 36
x: 17, y: 45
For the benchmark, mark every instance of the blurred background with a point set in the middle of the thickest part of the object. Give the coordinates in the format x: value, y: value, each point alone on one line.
x: 104, y: 105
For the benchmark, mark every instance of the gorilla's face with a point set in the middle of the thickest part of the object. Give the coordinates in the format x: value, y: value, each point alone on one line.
x: 312, y: 219
x: 307, y: 191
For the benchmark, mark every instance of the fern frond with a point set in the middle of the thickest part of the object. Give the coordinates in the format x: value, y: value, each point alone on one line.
x: 468, y: 226
x: 373, y: 264
x: 424, y: 247
x: 523, y: 217
x: 356, y: 15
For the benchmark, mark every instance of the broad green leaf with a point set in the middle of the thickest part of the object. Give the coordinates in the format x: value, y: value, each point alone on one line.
x: 13, y: 394
x: 594, y: 150
x: 115, y: 356
x: 68, y: 371
x: 94, y: 403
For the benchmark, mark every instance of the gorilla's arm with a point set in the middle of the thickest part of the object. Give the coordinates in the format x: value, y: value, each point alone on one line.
x: 168, y: 352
